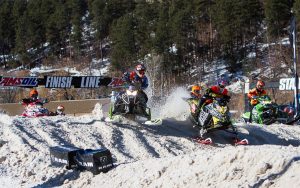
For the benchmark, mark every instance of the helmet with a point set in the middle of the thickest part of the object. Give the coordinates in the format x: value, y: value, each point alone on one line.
x: 33, y: 93
x: 289, y: 110
x: 60, y: 109
x: 222, y: 83
x: 260, y: 84
x: 196, y: 90
x: 140, y: 69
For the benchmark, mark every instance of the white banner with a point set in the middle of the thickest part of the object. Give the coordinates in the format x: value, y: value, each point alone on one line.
x: 287, y: 83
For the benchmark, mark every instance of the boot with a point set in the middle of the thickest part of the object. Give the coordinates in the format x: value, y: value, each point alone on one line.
x: 200, y: 105
x: 251, y: 109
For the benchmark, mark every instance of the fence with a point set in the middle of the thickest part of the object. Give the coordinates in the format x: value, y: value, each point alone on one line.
x: 72, y: 107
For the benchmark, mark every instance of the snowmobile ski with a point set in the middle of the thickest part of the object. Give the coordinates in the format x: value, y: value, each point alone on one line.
x: 205, y: 141
x: 293, y: 121
x: 157, y: 121
x: 113, y: 119
x: 238, y: 141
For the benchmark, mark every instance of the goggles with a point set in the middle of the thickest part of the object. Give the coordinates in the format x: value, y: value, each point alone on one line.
x: 197, y: 91
x: 142, y: 72
x: 34, y: 95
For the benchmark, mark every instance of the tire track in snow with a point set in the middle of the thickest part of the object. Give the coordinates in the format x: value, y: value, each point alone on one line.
x: 24, y: 131
x: 51, y: 134
x: 259, y: 135
x: 110, y: 140
x: 28, y: 152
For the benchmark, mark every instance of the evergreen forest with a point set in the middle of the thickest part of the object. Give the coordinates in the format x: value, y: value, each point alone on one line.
x: 177, y: 34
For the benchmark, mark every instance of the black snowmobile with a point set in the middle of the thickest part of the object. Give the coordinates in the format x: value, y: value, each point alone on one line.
x: 212, y: 117
x: 129, y: 104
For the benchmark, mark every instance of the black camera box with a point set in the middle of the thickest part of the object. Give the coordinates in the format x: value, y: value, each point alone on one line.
x: 95, y: 161
x: 63, y: 155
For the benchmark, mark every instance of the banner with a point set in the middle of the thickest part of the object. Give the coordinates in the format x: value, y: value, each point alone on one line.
x: 19, y: 81
x: 287, y: 84
x: 77, y: 82
x: 56, y: 81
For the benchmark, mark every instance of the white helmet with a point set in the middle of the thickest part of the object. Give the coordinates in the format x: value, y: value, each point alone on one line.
x: 60, y: 109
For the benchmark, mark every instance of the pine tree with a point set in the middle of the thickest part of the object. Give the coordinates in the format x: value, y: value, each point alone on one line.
x: 58, y: 29
x: 162, y: 40
x: 20, y: 20
x: 35, y: 25
x: 6, y: 29
x: 277, y: 14
x: 100, y: 22
x: 183, y: 32
x: 224, y: 20
x: 123, y: 50
x: 77, y: 10
x: 237, y: 22
x: 145, y: 16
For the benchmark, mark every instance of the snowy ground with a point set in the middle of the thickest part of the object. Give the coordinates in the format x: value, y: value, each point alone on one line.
x: 148, y: 156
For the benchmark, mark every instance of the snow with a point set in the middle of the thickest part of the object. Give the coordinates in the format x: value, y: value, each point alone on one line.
x: 45, y: 69
x: 97, y: 68
x: 148, y: 155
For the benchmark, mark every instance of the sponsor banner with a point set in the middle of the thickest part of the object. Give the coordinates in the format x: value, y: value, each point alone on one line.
x: 77, y: 82
x: 287, y: 84
x: 58, y: 81
x: 116, y: 83
x: 19, y: 82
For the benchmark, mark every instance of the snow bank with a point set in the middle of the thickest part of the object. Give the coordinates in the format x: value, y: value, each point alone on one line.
x: 148, y: 156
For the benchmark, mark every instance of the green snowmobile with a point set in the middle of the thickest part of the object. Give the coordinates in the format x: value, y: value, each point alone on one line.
x: 267, y: 112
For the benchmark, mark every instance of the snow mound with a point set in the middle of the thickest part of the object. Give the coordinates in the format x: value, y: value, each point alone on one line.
x: 97, y: 112
x: 147, y: 156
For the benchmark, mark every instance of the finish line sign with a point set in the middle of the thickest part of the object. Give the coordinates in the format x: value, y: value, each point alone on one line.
x: 77, y: 82
x: 56, y: 81
x: 288, y: 83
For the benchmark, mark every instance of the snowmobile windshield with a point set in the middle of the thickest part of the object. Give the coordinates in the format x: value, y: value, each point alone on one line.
x: 265, y: 98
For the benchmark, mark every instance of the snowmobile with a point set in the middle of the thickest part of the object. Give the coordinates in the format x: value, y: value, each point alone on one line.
x: 267, y: 112
x: 129, y: 104
x: 35, y: 109
x: 212, y: 117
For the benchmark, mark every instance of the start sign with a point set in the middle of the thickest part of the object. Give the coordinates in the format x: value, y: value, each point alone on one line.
x: 287, y: 83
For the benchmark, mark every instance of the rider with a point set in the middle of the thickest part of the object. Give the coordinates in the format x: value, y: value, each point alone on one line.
x: 194, y: 99
x: 258, y: 91
x: 215, y: 91
x: 33, y: 97
x: 59, y: 111
x: 136, y: 77
x: 195, y: 92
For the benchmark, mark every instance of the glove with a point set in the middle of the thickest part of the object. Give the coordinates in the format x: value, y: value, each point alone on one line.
x: 254, y: 97
x: 227, y: 98
x: 25, y: 101
x: 126, y: 77
x: 206, y: 96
